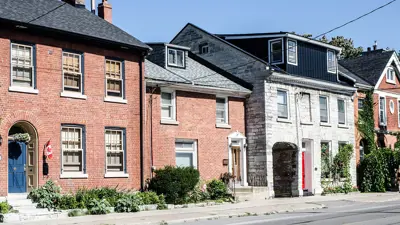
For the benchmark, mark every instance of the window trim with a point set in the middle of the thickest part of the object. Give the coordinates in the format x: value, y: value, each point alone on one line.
x: 73, y: 94
x: 226, y: 114
x: 327, y: 109
x: 345, y: 111
x: 166, y: 120
x: 390, y: 81
x: 176, y: 54
x: 83, y: 173
x: 115, y: 99
x: 124, y: 172
x: 33, y: 88
x: 334, y: 61
x: 384, y: 111
x: 204, y: 45
x: 287, y: 104
x: 270, y: 42
x: 287, y: 46
x: 183, y: 150
x: 398, y: 112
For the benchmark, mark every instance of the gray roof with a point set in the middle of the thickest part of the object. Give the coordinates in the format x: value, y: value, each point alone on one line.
x: 156, y: 72
x: 357, y: 79
x: 369, y: 66
x: 60, y: 16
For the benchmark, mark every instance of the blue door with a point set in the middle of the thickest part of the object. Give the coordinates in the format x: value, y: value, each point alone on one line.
x: 16, y: 167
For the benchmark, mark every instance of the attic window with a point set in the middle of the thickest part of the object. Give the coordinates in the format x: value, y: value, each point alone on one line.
x: 390, y: 76
x: 332, y: 62
x: 176, y: 57
x: 203, y: 48
x: 276, y: 51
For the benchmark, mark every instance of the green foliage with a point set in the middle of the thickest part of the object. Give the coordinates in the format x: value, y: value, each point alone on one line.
x: 128, y: 203
x: 77, y: 212
x: 67, y: 202
x: 162, y: 205
x: 149, y: 198
x: 226, y: 177
x: 47, y: 196
x: 345, y: 188
x: 22, y: 137
x: 84, y: 195
x: 341, y: 163
x: 4, y: 207
x: 366, y: 124
x: 199, y: 194
x: 347, y: 45
x: 217, y: 189
x: 98, y: 207
x: 374, y: 172
x: 325, y: 161
x: 175, y: 183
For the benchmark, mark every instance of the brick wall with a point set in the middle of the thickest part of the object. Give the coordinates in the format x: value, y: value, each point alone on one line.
x: 46, y: 111
x: 196, y: 114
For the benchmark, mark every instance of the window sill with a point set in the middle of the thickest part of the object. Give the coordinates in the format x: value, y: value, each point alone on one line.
x: 116, y: 175
x: 169, y: 122
x: 73, y: 95
x: 23, y: 90
x: 332, y: 72
x: 282, y: 120
x: 223, y: 125
x: 73, y: 176
x: 115, y: 100
x: 325, y: 124
x: 306, y: 123
x: 343, y: 126
x: 390, y: 82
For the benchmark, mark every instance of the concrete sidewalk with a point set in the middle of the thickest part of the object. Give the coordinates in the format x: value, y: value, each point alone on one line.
x: 250, y: 208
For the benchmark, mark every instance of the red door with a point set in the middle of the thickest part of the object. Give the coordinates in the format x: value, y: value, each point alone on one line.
x: 303, y: 173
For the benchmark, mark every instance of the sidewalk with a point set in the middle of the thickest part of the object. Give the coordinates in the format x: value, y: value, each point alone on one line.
x: 250, y: 208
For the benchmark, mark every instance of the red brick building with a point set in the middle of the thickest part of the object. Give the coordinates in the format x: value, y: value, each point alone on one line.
x: 195, y: 114
x: 74, y: 80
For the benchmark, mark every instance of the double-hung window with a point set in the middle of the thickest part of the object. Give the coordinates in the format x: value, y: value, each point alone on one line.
x: 324, y: 109
x: 276, y: 51
x: 114, y: 78
x: 168, y: 105
x: 22, y: 66
x: 341, y: 111
x: 176, y: 57
x: 283, y: 108
x: 186, y: 153
x: 391, y: 76
x: 115, y: 150
x: 73, y: 149
x: 292, y: 52
x: 222, y: 111
x: 332, y: 62
x: 382, y: 111
x: 72, y: 72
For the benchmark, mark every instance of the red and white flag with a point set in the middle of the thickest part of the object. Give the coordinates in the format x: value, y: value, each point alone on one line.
x: 48, y: 150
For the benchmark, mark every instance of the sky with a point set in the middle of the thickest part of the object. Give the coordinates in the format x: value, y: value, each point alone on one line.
x: 161, y: 20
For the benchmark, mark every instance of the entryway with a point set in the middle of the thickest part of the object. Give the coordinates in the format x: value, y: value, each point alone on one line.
x: 236, y: 162
x: 284, y: 156
x: 237, y: 158
x: 22, y: 158
x: 307, y: 167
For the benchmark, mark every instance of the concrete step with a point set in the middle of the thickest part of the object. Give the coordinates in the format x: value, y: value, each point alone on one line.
x: 35, y: 216
x: 20, y: 202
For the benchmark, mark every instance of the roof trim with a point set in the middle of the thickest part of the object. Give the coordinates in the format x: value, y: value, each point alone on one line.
x: 289, y: 35
x: 396, y: 61
x: 347, y: 76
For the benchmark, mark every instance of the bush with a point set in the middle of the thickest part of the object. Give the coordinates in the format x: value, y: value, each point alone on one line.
x: 47, y: 196
x: 199, y: 194
x: 4, y: 207
x: 217, y: 189
x: 128, y: 203
x: 374, y: 172
x: 68, y: 202
x: 175, y: 183
x: 98, y: 207
x: 149, y: 198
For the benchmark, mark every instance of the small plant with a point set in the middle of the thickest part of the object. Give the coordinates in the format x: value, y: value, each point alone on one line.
x: 98, y: 207
x: 68, y: 202
x: 217, y: 189
x: 47, y: 196
x: 22, y: 137
x: 149, y: 198
x: 77, y: 212
x: 128, y: 203
x: 4, y: 207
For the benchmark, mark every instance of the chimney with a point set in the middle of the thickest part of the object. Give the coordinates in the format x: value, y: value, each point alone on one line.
x: 76, y: 3
x: 369, y: 49
x: 105, y: 11
x: 93, y: 6
x: 375, y: 45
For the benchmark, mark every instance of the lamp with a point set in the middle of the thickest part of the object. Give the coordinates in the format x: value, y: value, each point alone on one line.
x: 245, y: 145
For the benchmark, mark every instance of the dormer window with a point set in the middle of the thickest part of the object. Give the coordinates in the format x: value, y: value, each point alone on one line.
x: 390, y: 76
x: 276, y: 51
x: 176, y: 57
x: 203, y: 48
x: 332, y: 63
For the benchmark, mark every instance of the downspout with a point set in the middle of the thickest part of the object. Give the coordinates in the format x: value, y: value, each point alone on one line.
x: 141, y: 96
x: 299, y: 141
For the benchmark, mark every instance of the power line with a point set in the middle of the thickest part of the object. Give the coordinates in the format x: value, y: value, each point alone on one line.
x: 47, y: 13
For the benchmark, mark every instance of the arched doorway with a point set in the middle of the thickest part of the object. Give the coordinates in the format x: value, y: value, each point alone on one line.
x: 284, y: 156
x: 22, y: 157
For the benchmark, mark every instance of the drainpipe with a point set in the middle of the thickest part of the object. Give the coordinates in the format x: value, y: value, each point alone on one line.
x: 299, y: 141
x: 141, y: 96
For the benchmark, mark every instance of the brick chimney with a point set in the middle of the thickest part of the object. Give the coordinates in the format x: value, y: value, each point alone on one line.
x: 105, y: 11
x: 76, y: 3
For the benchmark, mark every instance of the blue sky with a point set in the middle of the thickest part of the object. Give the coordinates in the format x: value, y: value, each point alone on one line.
x: 160, y: 20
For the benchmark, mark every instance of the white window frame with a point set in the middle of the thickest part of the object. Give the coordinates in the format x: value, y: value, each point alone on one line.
x: 345, y: 111
x: 270, y: 43
x: 187, y: 150
x: 80, y: 73
x: 391, y: 76
x: 31, y: 66
x: 203, y: 47
x: 327, y: 108
x: 287, y: 104
x: 121, y: 79
x: 111, y: 173
x: 173, y: 105
x: 334, y: 61
x: 295, y: 51
x: 384, y: 111
x: 226, y: 114
x: 391, y: 106
x: 80, y: 174
x: 176, y: 57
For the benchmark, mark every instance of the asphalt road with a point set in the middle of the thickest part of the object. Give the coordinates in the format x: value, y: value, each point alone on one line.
x: 336, y: 212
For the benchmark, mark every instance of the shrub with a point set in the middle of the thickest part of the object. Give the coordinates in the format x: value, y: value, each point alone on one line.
x: 47, y: 196
x: 148, y: 198
x: 128, y: 203
x: 4, y: 207
x: 217, y: 189
x: 374, y: 172
x: 68, y: 202
x: 175, y: 183
x: 199, y: 193
x: 97, y: 207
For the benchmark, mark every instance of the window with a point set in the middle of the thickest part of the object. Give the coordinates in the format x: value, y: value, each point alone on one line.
x: 342, y: 111
x: 360, y: 104
x: 114, y: 78
x: 222, y: 110
x: 115, y: 150
x: 391, y: 76
x: 203, y: 48
x: 331, y: 61
x: 276, y: 51
x: 186, y: 153
x: 72, y: 72
x: 305, y: 105
x: 382, y: 111
x: 292, y: 52
x: 391, y: 106
x: 398, y: 112
x: 168, y: 105
x: 325, y: 160
x: 324, y: 109
x: 22, y: 66
x: 73, y: 149
x: 283, y: 111
x: 176, y: 57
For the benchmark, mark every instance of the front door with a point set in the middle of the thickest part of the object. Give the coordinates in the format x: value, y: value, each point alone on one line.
x: 16, y: 167
x: 236, y: 163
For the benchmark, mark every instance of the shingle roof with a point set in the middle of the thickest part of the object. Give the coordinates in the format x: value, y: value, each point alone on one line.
x: 369, y: 66
x: 57, y: 15
x: 357, y: 78
x: 156, y: 72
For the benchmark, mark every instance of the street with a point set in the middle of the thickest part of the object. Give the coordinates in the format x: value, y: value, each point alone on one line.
x: 336, y: 212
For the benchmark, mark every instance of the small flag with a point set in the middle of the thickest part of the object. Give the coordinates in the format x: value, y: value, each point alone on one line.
x: 49, y: 150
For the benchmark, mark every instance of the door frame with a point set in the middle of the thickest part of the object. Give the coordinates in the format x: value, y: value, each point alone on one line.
x: 308, y: 164
x: 24, y: 155
x: 237, y: 139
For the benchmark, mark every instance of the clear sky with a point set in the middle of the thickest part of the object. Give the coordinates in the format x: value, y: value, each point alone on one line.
x: 160, y: 20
